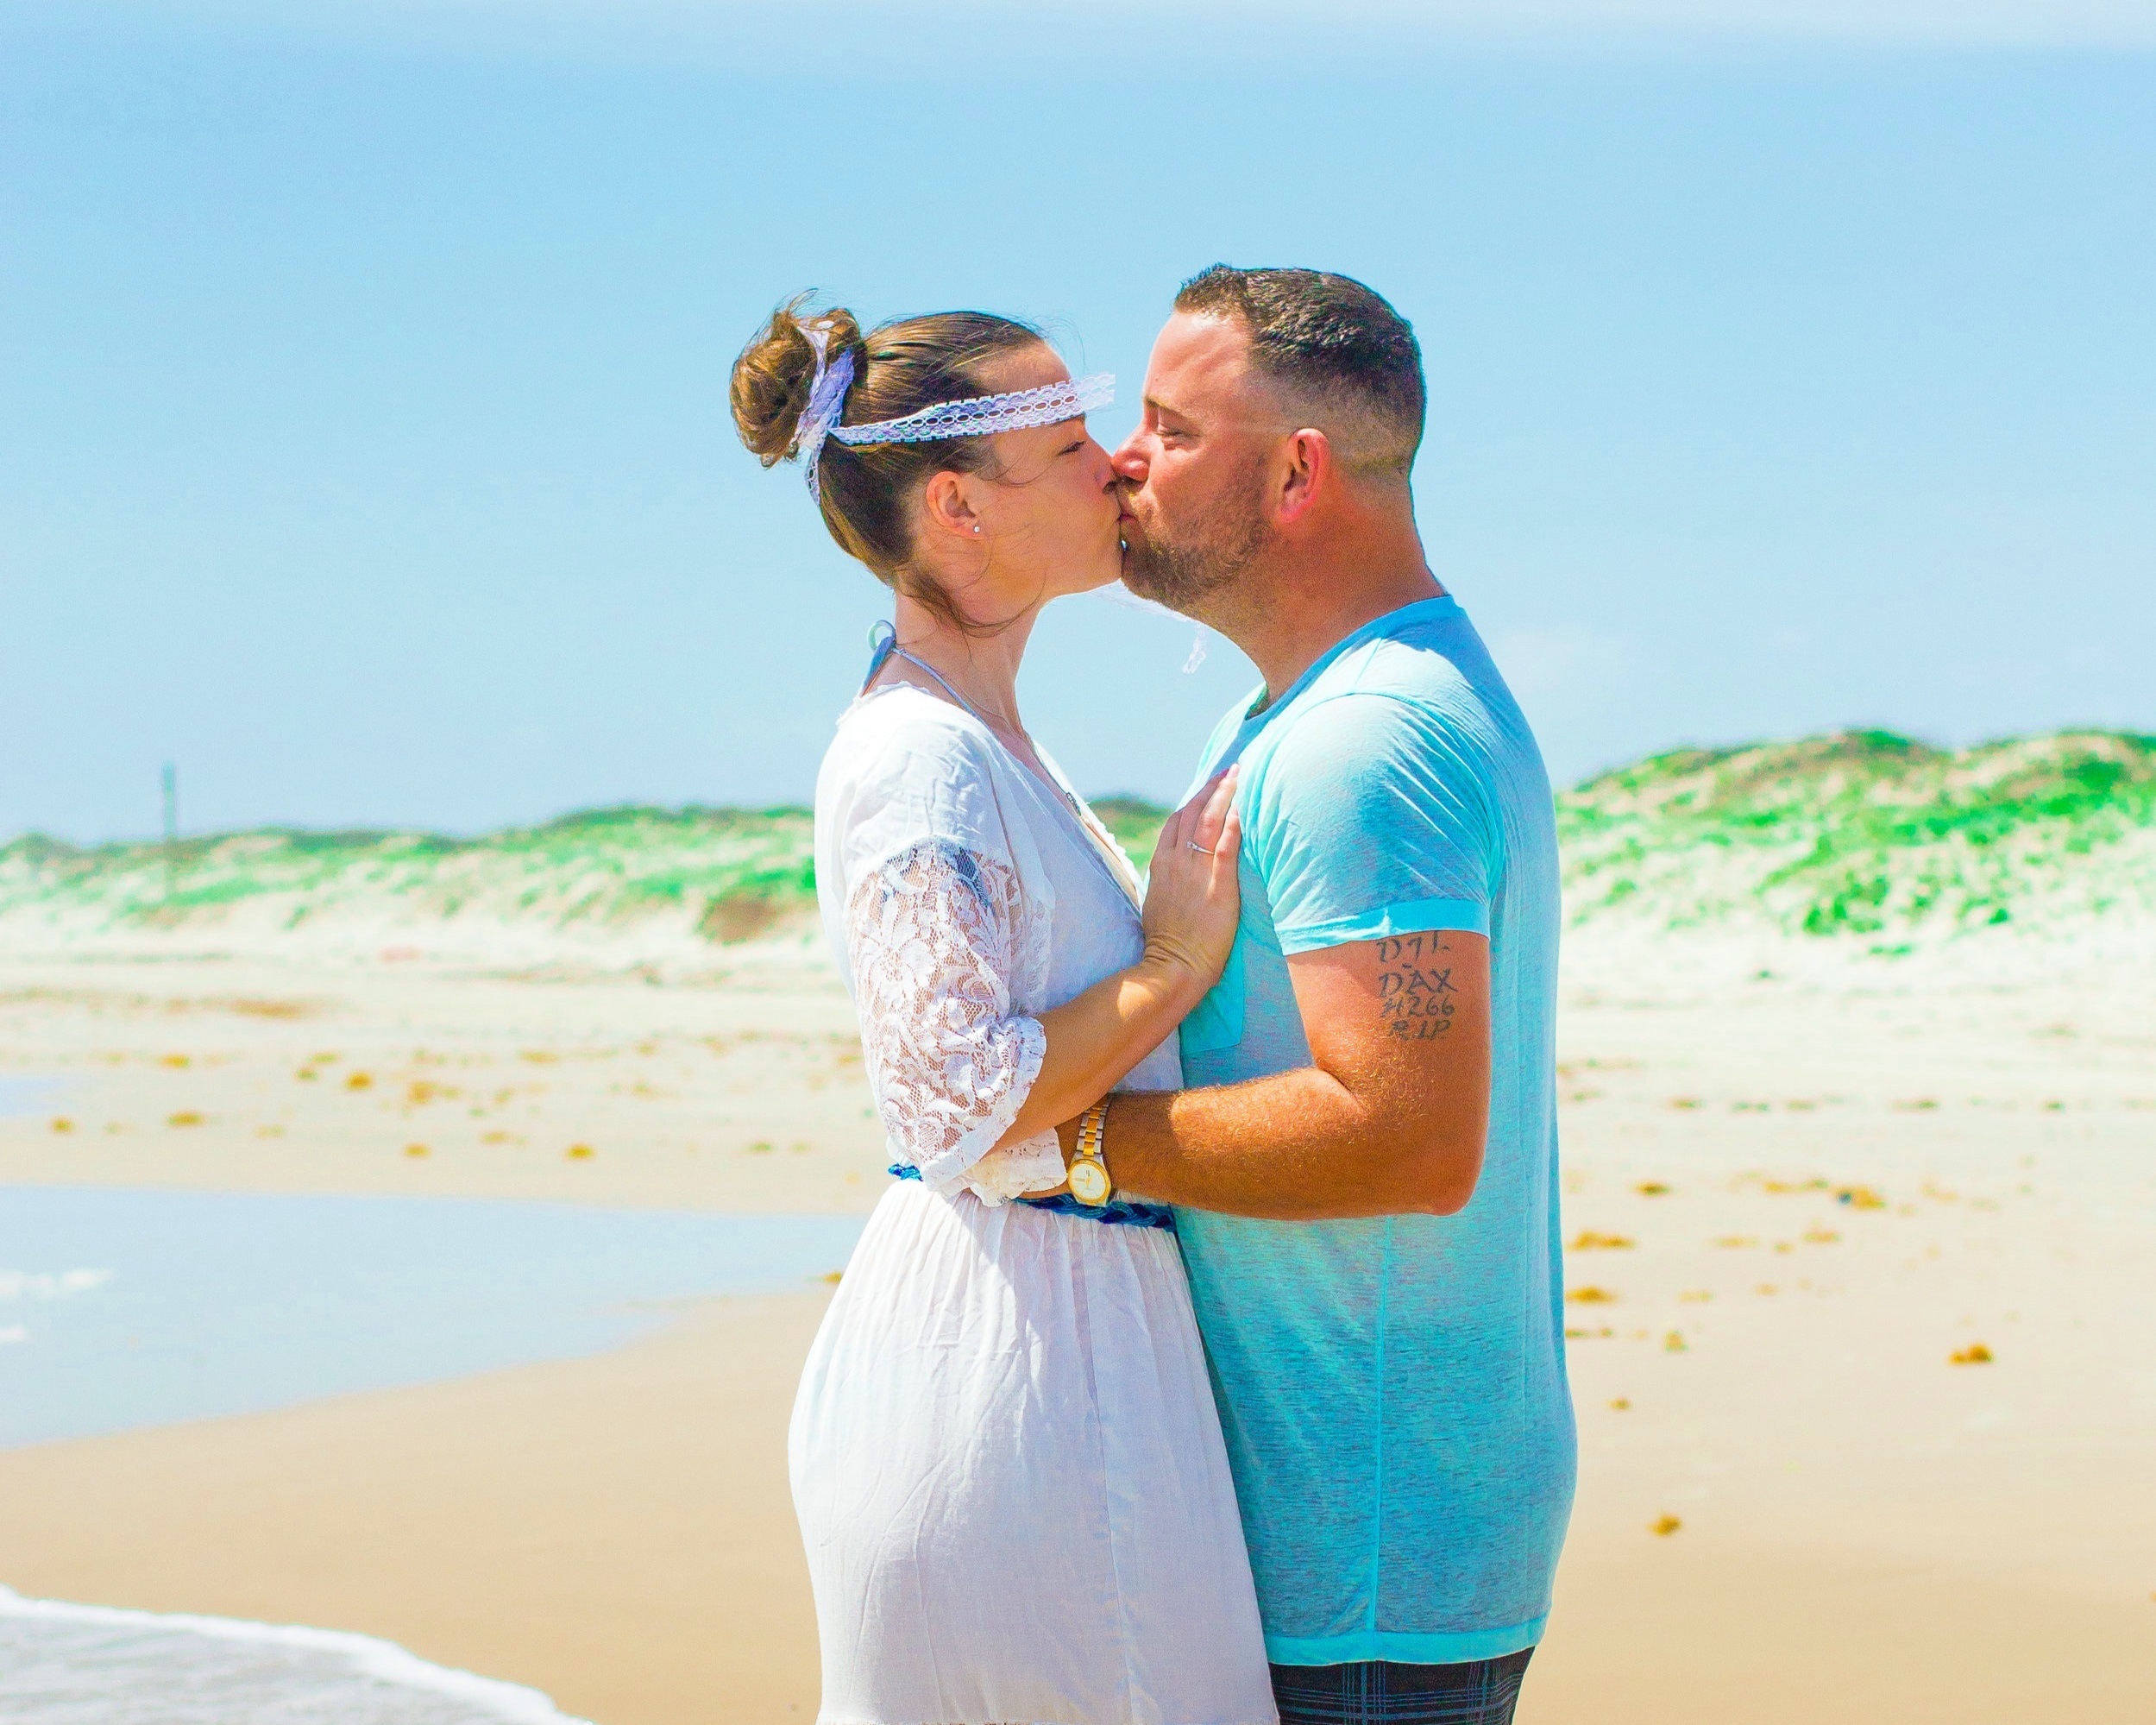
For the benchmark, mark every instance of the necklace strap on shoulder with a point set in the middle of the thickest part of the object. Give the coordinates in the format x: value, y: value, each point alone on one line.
x: 923, y: 664
x: 883, y: 643
x: 883, y: 648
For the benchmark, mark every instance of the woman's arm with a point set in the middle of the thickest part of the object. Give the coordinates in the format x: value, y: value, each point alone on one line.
x: 1191, y: 904
x: 958, y: 1074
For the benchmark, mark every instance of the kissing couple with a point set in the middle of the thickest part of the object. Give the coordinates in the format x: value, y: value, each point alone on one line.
x: 1203, y: 1365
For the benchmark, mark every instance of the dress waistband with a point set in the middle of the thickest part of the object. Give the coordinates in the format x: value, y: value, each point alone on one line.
x: 1117, y: 1211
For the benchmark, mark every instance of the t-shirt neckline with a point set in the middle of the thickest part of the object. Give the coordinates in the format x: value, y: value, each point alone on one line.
x: 1389, y: 623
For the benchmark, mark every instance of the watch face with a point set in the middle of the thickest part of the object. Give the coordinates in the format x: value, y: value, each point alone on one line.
x: 1089, y: 1183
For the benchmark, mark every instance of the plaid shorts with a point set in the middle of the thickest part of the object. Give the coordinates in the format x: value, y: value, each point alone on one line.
x: 1480, y: 1692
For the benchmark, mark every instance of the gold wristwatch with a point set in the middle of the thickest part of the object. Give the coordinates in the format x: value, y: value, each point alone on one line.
x: 1090, y: 1183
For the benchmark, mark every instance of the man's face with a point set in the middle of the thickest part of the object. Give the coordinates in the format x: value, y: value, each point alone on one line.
x: 1193, y: 473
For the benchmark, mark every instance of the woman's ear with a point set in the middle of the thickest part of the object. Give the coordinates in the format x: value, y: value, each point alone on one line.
x: 947, y: 507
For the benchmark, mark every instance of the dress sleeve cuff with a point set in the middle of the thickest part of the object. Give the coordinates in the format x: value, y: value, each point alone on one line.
x: 948, y: 1170
x: 1036, y: 1165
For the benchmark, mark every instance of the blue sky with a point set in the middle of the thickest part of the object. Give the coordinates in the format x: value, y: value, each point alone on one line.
x: 362, y: 432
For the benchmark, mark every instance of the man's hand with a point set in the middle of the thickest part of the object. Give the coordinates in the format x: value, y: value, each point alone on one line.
x: 1389, y: 1117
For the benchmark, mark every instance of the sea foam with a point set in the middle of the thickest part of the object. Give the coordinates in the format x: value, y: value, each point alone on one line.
x: 93, y: 1665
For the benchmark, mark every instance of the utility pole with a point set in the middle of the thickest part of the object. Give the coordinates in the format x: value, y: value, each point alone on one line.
x: 172, y: 825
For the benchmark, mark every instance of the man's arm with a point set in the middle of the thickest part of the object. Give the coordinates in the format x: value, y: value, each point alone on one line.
x: 1390, y: 1118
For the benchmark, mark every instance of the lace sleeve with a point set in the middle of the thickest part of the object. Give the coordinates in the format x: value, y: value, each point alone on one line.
x: 934, y: 933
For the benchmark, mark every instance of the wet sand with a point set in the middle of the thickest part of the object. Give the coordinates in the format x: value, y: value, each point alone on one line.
x: 614, y: 1530
x: 1801, y: 1198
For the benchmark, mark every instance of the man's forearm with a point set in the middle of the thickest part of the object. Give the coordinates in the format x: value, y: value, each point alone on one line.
x: 1294, y: 1147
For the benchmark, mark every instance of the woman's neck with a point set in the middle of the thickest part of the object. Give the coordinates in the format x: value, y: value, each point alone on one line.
x: 982, y: 668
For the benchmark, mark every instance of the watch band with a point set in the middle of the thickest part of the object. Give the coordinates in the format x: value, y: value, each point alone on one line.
x: 1088, y: 1174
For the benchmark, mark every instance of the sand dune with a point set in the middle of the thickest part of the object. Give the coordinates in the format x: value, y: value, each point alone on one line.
x: 1870, y: 840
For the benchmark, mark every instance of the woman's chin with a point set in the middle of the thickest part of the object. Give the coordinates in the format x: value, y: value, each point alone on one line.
x: 1100, y: 575
x: 1089, y: 574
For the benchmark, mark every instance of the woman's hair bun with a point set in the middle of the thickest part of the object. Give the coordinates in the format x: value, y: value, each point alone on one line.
x: 866, y: 493
x: 773, y: 376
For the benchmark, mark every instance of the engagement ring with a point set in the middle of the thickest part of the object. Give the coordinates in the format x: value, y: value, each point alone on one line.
x: 1200, y: 849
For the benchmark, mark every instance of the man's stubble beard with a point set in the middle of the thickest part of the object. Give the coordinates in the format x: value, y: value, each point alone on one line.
x: 1185, y: 573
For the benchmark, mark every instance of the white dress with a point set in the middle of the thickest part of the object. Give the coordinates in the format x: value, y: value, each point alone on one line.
x: 1005, y: 1455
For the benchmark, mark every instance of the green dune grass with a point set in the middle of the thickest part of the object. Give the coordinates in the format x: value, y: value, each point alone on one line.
x: 731, y: 871
x: 1861, y: 834
x: 1869, y: 833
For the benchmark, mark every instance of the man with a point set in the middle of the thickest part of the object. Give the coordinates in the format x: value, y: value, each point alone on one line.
x: 1365, y: 1170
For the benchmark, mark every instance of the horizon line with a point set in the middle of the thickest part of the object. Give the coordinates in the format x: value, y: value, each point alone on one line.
x: 1876, y: 736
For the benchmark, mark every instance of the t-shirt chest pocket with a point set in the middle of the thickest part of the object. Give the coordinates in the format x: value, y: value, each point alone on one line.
x: 1217, y: 1021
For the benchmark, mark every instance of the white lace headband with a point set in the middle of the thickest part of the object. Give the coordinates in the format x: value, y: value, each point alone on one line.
x: 826, y: 400
x: 979, y: 415
x: 975, y: 416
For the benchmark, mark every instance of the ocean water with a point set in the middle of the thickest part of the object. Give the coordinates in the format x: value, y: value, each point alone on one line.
x: 126, y: 1308
x: 121, y: 1309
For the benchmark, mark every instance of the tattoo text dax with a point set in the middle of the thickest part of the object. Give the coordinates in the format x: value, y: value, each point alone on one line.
x: 1414, y: 995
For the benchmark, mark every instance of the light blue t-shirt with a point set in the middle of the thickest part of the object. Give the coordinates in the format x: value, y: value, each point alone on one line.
x: 1393, y: 1390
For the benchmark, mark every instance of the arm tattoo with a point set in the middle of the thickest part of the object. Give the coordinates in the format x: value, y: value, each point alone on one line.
x: 1415, y: 987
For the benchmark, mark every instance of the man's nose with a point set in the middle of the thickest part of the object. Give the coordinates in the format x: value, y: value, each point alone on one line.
x: 1129, y: 461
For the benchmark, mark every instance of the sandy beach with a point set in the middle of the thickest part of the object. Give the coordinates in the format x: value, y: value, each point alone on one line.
x: 1799, y: 1191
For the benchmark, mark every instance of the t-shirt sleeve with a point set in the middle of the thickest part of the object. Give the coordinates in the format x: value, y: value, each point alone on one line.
x: 1373, y: 817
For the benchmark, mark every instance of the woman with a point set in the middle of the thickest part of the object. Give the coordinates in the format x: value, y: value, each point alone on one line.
x: 1005, y: 1455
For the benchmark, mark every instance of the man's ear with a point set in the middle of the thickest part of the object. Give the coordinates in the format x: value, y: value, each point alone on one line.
x: 1306, y: 471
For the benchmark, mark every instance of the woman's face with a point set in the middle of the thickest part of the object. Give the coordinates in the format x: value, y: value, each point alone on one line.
x: 1048, y: 509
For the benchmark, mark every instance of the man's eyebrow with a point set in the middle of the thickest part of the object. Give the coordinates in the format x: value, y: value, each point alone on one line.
x: 1160, y: 406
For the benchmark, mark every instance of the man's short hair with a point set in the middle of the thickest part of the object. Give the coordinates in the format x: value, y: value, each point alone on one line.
x: 1326, y: 342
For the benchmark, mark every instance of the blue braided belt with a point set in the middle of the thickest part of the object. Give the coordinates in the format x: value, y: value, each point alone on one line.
x: 1116, y: 1210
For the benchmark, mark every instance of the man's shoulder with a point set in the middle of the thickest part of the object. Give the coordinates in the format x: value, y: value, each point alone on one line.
x: 1438, y: 659
x: 1425, y: 695
x: 1390, y: 709
x: 1401, y: 740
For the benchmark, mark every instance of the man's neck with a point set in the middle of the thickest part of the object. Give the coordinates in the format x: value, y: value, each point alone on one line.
x: 1306, y: 598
